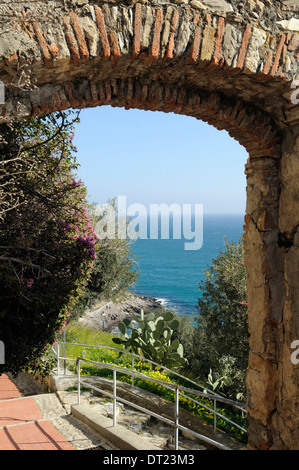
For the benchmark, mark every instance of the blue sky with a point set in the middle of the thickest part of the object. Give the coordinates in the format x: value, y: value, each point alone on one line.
x: 154, y: 158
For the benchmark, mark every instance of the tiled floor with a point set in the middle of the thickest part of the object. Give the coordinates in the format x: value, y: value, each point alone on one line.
x: 8, y: 389
x: 18, y: 411
x: 21, y: 423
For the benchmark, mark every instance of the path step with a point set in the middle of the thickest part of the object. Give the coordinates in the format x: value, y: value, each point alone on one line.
x: 39, y: 435
x: 22, y: 426
x: 33, y: 420
x: 8, y: 389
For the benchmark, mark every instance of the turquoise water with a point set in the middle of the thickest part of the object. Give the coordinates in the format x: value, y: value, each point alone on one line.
x: 172, y: 274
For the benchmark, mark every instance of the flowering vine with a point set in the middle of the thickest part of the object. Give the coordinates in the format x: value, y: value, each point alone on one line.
x: 48, y: 241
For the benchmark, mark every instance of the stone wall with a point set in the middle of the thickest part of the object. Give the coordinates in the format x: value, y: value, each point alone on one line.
x: 48, y: 44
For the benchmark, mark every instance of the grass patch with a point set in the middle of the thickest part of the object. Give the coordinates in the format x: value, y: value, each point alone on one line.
x: 75, y: 333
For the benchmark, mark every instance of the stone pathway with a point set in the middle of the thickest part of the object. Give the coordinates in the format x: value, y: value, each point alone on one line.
x: 151, y: 429
x: 56, y: 409
x: 30, y: 421
x: 22, y: 426
x: 155, y: 431
x: 24, y: 399
x: 142, y: 424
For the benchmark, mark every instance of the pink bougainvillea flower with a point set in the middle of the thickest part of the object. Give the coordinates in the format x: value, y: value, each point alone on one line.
x: 30, y: 283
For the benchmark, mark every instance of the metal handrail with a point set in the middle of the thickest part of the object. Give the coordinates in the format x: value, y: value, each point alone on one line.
x: 236, y: 404
x: 115, y: 398
x: 180, y: 390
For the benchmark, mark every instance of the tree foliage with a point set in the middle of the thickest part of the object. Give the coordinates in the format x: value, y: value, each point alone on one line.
x: 221, y: 332
x: 47, y: 243
x: 115, y: 270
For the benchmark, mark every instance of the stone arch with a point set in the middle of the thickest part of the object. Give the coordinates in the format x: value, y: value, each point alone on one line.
x: 231, y: 64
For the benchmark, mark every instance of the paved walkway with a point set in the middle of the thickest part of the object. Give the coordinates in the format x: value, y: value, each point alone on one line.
x: 22, y: 426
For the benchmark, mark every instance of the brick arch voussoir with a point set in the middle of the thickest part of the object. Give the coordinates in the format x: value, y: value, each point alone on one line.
x: 252, y: 128
x: 172, y: 43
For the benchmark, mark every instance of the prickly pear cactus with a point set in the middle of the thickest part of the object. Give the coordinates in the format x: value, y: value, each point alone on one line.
x: 152, y: 339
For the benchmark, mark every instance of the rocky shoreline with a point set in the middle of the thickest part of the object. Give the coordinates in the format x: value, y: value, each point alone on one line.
x: 106, y: 315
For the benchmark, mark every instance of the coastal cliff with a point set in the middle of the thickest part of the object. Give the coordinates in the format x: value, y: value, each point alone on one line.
x: 106, y: 315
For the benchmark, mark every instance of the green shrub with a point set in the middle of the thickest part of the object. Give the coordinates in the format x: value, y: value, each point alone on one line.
x: 153, y: 339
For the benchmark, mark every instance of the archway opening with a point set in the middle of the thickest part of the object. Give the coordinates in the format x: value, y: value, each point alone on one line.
x: 166, y: 159
x: 155, y: 158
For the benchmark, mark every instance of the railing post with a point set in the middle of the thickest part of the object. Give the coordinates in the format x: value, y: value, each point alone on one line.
x: 64, y: 353
x: 176, y: 422
x: 58, y: 356
x: 114, y: 398
x: 79, y: 380
x: 215, y: 416
x: 133, y: 371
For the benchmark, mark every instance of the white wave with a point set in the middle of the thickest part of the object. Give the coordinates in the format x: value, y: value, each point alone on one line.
x: 162, y: 301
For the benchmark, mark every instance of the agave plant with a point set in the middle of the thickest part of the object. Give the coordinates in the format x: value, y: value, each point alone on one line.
x: 152, y: 339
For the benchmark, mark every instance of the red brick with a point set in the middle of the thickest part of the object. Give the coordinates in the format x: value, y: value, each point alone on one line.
x: 278, y: 55
x: 80, y: 36
x: 218, y: 42
x: 173, y: 27
x: 115, y: 46
x: 268, y: 63
x: 13, y: 58
x: 43, y: 45
x: 71, y: 42
x: 108, y: 92
x: 195, y: 46
x: 45, y: 108
x: 170, y: 48
x: 196, y: 19
x: 137, y: 96
x: 57, y: 101
x: 61, y: 101
x: 102, y: 31
x: 155, y: 49
x: 69, y: 92
x: 94, y: 93
x: 102, y: 94
x: 35, y: 111
x: 243, y: 48
x: 53, y: 48
x: 137, y: 30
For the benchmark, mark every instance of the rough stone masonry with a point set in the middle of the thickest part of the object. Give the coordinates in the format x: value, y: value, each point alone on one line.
x: 233, y: 64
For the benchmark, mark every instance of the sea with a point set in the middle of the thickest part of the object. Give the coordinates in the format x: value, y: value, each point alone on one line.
x: 171, y: 274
